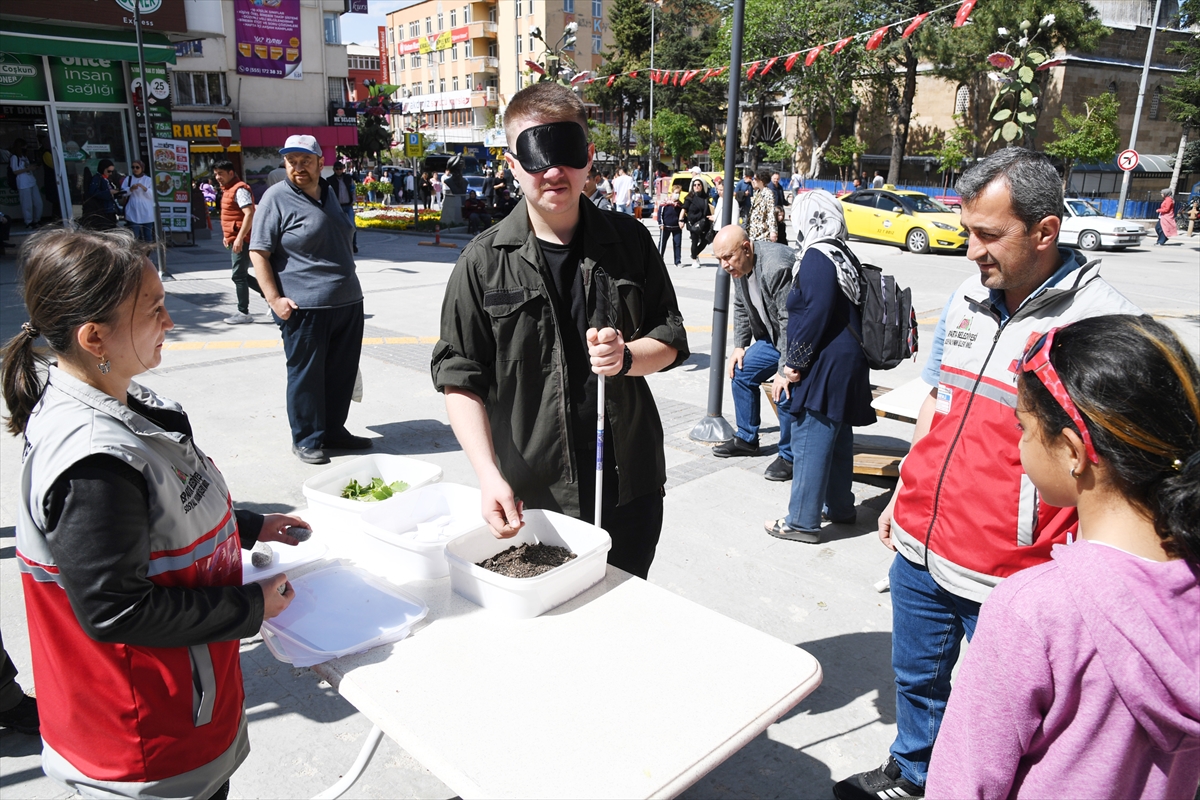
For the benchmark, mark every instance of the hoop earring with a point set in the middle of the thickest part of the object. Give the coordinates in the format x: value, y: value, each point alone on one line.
x: 104, y: 367
x: 1073, y: 475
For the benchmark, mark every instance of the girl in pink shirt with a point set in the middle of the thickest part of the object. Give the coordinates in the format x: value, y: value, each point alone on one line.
x: 1083, y: 678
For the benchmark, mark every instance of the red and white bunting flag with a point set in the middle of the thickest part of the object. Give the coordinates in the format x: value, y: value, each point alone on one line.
x: 767, y: 67
x: 708, y: 73
x: 877, y: 38
x: 720, y: 72
x: 536, y: 67
x: 611, y: 78
x: 750, y: 70
x: 812, y: 55
x: 841, y: 45
x: 580, y: 78
x: 912, y: 26
x: 675, y: 80
x: 964, y: 11
x: 633, y: 74
x: 791, y: 62
x: 692, y: 74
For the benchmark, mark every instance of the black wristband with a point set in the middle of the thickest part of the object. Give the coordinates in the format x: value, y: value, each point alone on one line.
x: 627, y: 364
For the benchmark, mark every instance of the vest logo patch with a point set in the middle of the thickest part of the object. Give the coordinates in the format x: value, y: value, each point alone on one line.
x: 183, y: 476
x: 961, y: 336
x: 193, y: 490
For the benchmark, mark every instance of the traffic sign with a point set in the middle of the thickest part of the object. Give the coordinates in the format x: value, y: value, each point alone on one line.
x: 1127, y: 160
x: 412, y: 145
x: 224, y: 132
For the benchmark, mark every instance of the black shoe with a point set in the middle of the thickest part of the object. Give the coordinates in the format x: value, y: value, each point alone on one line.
x: 310, y: 455
x: 23, y: 717
x: 850, y: 520
x: 884, y: 782
x: 735, y: 447
x: 348, y: 442
x: 780, y: 470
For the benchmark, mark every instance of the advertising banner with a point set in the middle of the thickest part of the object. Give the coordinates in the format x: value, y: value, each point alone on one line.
x: 436, y: 41
x: 268, y: 38
x: 158, y: 100
x: 173, y: 183
x: 87, y: 80
x: 21, y: 78
x: 359, y: 7
x: 384, y: 67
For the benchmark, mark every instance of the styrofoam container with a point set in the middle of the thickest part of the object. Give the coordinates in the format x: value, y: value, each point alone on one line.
x: 337, y: 611
x: 524, y: 598
x: 398, y: 521
x: 323, y: 491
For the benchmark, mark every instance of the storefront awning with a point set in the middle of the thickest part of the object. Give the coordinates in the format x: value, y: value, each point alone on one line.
x: 66, y: 42
x: 1147, y: 163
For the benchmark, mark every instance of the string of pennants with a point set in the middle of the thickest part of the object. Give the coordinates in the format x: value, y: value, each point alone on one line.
x: 760, y: 68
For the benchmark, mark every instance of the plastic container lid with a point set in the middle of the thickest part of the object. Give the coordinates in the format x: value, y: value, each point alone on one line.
x: 287, y: 558
x: 337, y: 611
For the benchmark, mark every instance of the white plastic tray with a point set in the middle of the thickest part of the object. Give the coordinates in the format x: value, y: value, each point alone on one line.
x: 394, y: 521
x: 524, y: 598
x: 323, y: 491
x: 287, y: 558
x: 337, y: 611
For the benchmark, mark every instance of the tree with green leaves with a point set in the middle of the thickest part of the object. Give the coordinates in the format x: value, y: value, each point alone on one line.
x: 954, y: 152
x: 629, y: 21
x: 843, y: 154
x: 1088, y: 138
x: 1183, y: 97
x: 603, y: 137
x: 678, y: 134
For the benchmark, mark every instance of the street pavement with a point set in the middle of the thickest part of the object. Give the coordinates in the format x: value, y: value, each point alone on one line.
x: 713, y: 550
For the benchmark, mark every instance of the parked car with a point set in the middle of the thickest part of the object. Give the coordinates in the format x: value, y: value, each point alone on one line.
x: 908, y: 219
x: 1083, y: 226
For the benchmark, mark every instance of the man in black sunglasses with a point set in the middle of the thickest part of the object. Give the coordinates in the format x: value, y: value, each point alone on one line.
x: 524, y: 336
x: 964, y: 516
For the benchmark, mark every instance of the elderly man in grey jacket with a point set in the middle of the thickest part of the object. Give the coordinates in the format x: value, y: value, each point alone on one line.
x: 762, y: 279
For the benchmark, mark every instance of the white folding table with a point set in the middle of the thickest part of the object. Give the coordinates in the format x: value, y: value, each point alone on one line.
x: 626, y: 691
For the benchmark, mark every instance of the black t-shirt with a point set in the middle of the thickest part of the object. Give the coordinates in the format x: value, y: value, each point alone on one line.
x: 570, y: 307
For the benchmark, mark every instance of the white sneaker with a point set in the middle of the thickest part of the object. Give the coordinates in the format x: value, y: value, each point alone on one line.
x: 239, y: 319
x: 696, y: 264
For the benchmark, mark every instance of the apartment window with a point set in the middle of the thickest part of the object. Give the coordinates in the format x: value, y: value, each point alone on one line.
x: 400, y: 63
x: 414, y: 30
x: 454, y: 83
x: 468, y: 49
x: 597, y: 44
x: 520, y: 45
x: 531, y: 8
x: 416, y: 60
x: 440, y: 25
x: 531, y: 45
x: 442, y: 85
x: 1112, y: 88
x: 568, y: 6
x: 521, y: 6
x: 200, y: 89
x: 493, y: 49
x: 597, y: 8
x: 333, y: 29
x: 466, y: 14
x: 1154, y: 101
x: 453, y: 18
x: 429, y: 24
x: 337, y: 90
x: 962, y: 100
x: 416, y: 90
x: 390, y: 40
x: 431, y: 86
x: 441, y: 56
x: 454, y: 52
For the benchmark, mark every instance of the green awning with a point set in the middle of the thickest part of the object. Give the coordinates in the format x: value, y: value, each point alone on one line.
x: 31, y: 39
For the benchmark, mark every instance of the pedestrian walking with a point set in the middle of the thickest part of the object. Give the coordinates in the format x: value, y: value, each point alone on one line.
x: 964, y: 515
x: 100, y: 202
x: 668, y: 226
x: 761, y: 222
x: 128, y: 541
x: 426, y: 190
x: 139, y: 203
x: 623, y: 191
x: 1166, y: 227
x: 1193, y: 213
x: 781, y: 203
x: 23, y: 176
x: 1081, y: 677
x: 519, y: 369
x: 697, y: 212
x: 347, y: 194
x: 237, y: 218
x: 743, y: 195
x: 302, y: 250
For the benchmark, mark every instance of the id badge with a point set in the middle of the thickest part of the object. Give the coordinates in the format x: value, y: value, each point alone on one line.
x: 944, y: 395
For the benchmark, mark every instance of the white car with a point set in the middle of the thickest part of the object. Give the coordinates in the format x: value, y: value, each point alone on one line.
x: 1083, y: 226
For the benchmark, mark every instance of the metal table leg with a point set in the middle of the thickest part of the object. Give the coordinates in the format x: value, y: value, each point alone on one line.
x: 360, y: 764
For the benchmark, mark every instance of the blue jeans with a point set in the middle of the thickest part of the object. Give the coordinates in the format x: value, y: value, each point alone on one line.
x: 759, y: 364
x: 1162, y: 237
x: 626, y: 209
x: 322, y: 346
x: 143, y: 231
x: 822, y: 470
x: 928, y: 624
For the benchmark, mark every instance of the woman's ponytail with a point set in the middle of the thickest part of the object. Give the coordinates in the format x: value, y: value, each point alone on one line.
x: 23, y: 383
x: 1177, y: 509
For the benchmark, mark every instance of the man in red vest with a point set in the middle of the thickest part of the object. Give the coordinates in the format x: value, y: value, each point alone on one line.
x: 237, y: 212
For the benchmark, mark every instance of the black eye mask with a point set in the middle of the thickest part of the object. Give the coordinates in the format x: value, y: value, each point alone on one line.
x: 555, y: 144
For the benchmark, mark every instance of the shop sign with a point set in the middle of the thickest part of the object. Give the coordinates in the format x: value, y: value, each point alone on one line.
x: 173, y: 183
x: 197, y: 132
x: 21, y: 78
x: 344, y: 117
x: 268, y: 38
x: 158, y: 100
x: 23, y: 113
x: 438, y: 41
x: 163, y: 16
x: 87, y: 80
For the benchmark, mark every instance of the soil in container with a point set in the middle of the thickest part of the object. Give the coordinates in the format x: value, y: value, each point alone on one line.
x: 527, y: 560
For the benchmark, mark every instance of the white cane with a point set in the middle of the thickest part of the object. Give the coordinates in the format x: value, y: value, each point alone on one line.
x: 600, y: 318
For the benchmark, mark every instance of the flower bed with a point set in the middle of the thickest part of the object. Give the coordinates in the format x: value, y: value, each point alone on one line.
x: 397, y: 218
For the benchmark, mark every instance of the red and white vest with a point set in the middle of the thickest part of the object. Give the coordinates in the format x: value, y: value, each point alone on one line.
x: 126, y: 719
x: 964, y: 492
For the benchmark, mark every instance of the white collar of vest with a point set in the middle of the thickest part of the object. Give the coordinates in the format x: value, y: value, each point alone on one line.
x: 98, y: 400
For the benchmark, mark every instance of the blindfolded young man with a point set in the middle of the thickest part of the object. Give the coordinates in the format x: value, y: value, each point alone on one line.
x: 536, y: 308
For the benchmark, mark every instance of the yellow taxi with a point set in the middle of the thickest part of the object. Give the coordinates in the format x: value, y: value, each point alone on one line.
x: 682, y: 182
x: 912, y: 220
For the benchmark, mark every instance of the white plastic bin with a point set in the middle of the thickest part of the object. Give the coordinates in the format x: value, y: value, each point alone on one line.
x: 524, y: 598
x: 338, y: 611
x: 328, y: 509
x: 395, y: 521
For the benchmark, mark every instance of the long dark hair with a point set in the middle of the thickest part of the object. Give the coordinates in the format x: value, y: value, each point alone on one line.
x: 1137, y: 389
x: 68, y: 277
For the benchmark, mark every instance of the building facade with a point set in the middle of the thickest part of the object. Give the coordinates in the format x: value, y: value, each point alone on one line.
x: 362, y: 65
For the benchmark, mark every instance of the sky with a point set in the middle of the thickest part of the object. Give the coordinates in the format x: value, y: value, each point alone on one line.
x: 363, y: 28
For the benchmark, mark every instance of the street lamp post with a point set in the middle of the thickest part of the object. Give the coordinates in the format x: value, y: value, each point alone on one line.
x: 651, y: 171
x: 1137, y: 111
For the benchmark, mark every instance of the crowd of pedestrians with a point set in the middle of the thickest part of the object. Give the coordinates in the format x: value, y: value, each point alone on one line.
x: 1047, y: 509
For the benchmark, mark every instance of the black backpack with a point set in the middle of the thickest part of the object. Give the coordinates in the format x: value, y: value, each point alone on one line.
x: 889, y: 324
